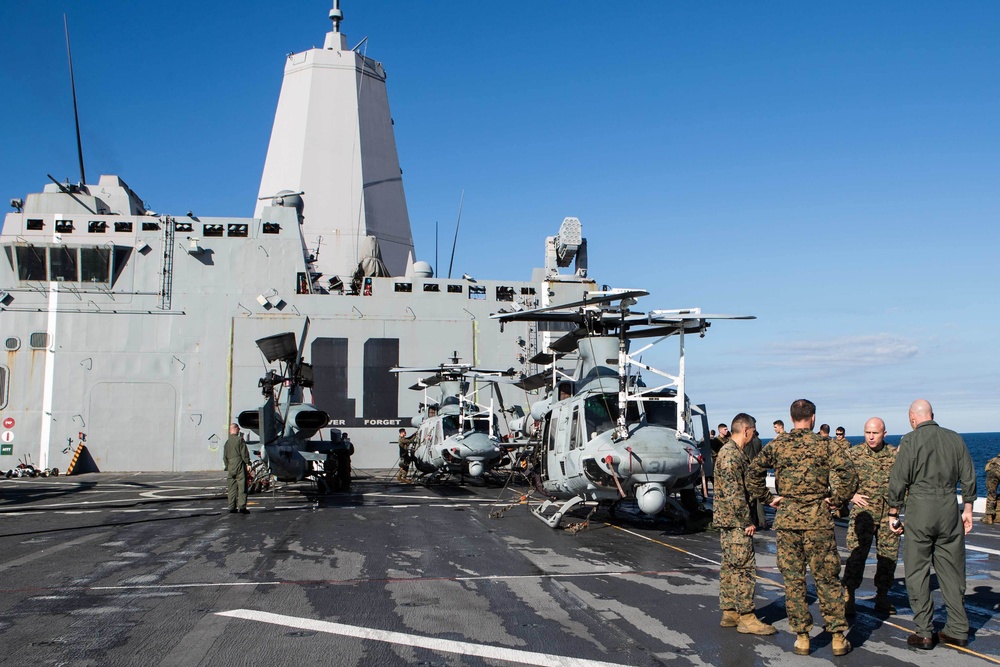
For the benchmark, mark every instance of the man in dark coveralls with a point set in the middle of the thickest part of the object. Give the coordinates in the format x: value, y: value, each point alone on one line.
x: 236, y: 461
x: 869, y: 518
x: 929, y: 463
x: 813, y: 477
x: 731, y: 515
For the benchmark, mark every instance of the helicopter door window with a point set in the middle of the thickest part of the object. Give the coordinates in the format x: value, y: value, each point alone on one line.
x: 574, y: 430
x: 550, y: 434
x: 450, y: 425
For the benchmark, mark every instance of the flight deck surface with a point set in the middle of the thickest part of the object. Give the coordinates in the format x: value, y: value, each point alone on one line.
x: 124, y: 569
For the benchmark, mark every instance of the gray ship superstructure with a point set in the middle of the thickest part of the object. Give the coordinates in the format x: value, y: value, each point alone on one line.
x: 136, y: 330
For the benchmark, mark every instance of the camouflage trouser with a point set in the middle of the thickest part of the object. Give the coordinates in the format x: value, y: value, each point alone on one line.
x: 992, y: 479
x: 862, y: 527
x: 736, y: 577
x: 818, y: 550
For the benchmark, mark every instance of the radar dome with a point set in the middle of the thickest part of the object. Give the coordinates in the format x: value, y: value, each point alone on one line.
x: 422, y: 270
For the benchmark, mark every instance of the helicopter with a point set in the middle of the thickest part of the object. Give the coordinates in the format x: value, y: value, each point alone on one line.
x: 602, y: 436
x: 285, y: 424
x: 455, y: 435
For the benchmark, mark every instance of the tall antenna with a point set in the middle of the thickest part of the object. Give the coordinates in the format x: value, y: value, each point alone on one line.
x: 457, y: 225
x: 76, y: 114
x: 337, y: 16
x: 437, y: 267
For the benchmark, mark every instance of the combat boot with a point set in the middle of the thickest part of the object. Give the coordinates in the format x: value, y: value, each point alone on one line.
x: 730, y: 619
x: 849, y: 610
x: 882, y: 604
x: 840, y: 645
x: 987, y: 519
x: 801, y: 644
x: 751, y: 625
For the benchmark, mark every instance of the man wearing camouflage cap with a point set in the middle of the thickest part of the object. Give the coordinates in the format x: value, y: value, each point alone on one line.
x: 812, y: 477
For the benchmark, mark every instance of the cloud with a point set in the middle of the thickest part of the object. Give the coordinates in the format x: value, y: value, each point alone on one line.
x: 845, y: 352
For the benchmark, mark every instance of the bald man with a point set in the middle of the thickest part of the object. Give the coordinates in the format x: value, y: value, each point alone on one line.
x: 869, y: 518
x: 930, y: 462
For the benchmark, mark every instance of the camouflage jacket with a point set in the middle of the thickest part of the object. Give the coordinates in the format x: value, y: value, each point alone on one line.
x: 731, y: 506
x: 807, y: 469
x: 993, y: 465
x: 873, y: 475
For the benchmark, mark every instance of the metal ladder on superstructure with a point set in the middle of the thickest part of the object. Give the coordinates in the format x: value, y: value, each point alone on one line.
x: 167, y: 271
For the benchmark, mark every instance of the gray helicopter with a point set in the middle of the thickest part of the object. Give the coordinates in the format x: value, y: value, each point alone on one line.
x: 602, y: 437
x: 455, y: 434
x: 286, y: 425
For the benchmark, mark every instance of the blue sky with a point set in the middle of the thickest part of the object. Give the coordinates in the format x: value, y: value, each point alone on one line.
x: 831, y: 168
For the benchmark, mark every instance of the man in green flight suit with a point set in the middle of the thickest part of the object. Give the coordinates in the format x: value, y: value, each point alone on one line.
x: 813, y: 477
x: 236, y: 461
x: 731, y: 515
x: 869, y: 518
x: 929, y: 463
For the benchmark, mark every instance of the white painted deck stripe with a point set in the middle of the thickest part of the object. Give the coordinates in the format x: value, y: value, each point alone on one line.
x: 417, y: 641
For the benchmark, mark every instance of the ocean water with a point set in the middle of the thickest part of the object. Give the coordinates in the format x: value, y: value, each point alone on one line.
x: 982, y: 447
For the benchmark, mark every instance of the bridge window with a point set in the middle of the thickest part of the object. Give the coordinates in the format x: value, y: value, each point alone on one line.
x: 150, y: 226
x: 477, y: 292
x: 183, y: 227
x: 454, y: 289
x: 35, y: 225
x: 432, y: 287
x: 505, y: 293
x: 212, y: 230
x: 95, y: 265
x: 62, y: 265
x: 97, y: 227
x: 31, y: 264
x: 238, y: 230
x: 64, y: 226
x: 404, y: 287
x: 271, y: 228
x: 123, y: 226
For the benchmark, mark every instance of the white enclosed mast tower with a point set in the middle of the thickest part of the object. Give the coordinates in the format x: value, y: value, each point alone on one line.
x: 332, y: 141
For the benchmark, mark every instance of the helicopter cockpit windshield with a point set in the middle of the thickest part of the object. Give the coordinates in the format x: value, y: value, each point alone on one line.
x: 450, y: 425
x: 601, y: 413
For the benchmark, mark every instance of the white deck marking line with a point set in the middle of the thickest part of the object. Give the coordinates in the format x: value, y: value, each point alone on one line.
x: 984, y: 550
x: 485, y: 651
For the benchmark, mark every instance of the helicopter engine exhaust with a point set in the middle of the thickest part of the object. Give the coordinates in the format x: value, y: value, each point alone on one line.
x: 308, y: 420
x: 651, y: 498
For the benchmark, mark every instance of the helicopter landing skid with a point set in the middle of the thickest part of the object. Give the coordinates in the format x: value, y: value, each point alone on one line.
x: 553, y: 521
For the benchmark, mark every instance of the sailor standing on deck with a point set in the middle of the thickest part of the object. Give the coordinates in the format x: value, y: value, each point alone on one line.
x: 929, y: 463
x: 869, y: 519
x: 236, y: 461
x: 992, y: 482
x: 813, y: 476
x: 731, y: 515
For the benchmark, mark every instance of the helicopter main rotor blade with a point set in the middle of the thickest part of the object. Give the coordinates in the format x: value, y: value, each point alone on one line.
x: 594, y: 299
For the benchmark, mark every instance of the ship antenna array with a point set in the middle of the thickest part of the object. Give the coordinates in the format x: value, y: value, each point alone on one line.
x: 76, y: 114
x: 455, y: 241
x: 337, y: 16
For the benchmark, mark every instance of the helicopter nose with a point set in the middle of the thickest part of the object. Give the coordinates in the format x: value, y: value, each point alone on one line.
x: 651, y: 498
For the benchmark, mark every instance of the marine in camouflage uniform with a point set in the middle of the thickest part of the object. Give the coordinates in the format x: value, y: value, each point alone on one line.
x: 869, y: 517
x: 731, y: 515
x: 992, y: 480
x: 813, y: 476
